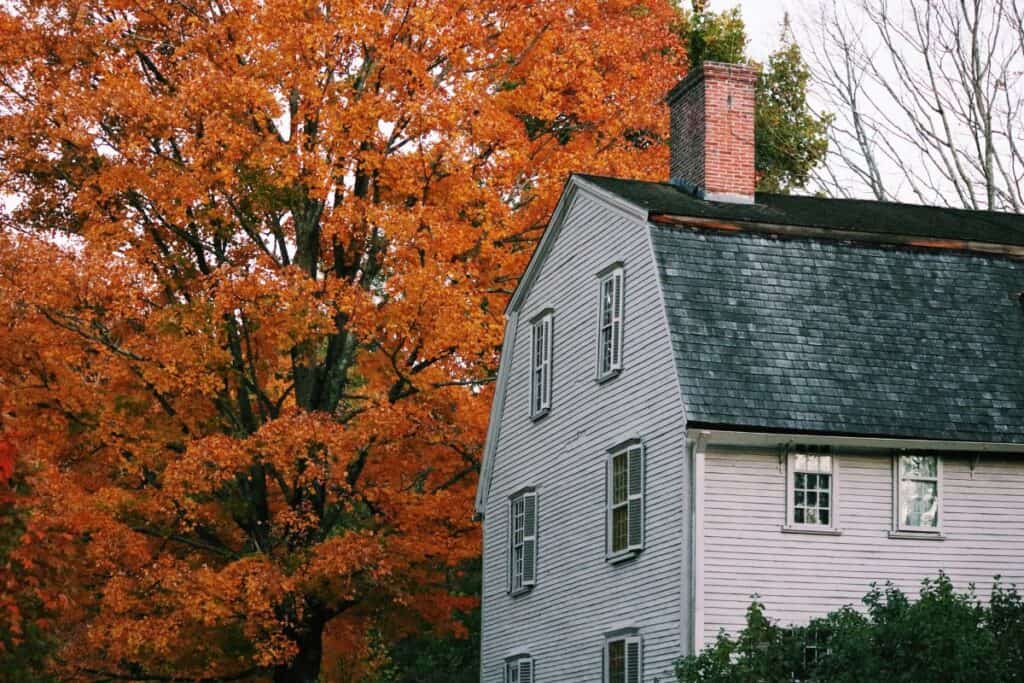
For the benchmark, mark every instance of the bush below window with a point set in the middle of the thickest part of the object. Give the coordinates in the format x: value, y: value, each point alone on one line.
x: 941, y: 636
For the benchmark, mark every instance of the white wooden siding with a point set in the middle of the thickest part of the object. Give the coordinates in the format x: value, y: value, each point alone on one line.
x: 800, y: 576
x: 579, y: 596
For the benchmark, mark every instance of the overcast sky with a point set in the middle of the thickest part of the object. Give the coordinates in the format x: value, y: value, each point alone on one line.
x: 763, y: 19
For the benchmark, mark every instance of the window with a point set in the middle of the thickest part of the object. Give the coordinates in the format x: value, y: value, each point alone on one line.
x: 522, y: 570
x: 540, y: 366
x: 609, y: 356
x: 519, y: 670
x: 623, y: 660
x: 811, y: 494
x: 626, y: 500
x: 917, y: 491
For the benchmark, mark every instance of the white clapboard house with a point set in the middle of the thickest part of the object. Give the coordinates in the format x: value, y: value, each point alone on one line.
x: 707, y: 393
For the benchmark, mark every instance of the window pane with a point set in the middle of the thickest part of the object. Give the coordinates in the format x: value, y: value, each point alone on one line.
x: 801, y: 480
x: 620, y: 528
x: 798, y: 515
x: 811, y: 516
x: 606, y: 349
x: 606, y: 302
x: 919, y: 503
x: 919, y: 466
x: 823, y: 516
x: 620, y: 478
x: 617, y: 661
x: 617, y: 287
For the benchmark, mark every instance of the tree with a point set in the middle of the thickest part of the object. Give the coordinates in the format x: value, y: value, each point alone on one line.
x: 253, y: 258
x: 942, y: 636
x: 791, y: 140
x: 928, y: 97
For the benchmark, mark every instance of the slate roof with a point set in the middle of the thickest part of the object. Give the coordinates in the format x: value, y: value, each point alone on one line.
x: 829, y: 336
x: 838, y: 214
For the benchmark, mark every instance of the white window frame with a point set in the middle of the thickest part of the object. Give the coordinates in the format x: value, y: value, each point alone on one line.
x: 627, y: 640
x: 633, y: 503
x: 612, y: 276
x: 791, y: 524
x: 540, y: 363
x: 897, y: 477
x: 519, y: 538
x: 513, y: 671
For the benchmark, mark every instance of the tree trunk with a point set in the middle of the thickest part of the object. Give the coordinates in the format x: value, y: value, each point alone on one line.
x: 305, y: 667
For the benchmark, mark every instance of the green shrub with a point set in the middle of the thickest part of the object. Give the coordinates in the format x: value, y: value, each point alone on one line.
x: 942, y: 636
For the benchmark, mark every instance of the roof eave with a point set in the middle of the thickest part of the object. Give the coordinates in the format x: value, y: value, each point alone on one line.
x: 726, y: 435
x: 817, y: 232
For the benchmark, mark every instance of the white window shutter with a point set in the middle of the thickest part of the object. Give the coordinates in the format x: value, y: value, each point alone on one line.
x: 548, y: 348
x: 530, y: 539
x: 617, y: 307
x: 636, y: 498
x: 634, y: 660
x: 534, y: 388
x: 526, y: 670
x: 509, y: 553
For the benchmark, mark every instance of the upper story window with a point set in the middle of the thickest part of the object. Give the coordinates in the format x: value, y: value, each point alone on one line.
x: 519, y: 669
x: 540, y: 365
x: 918, y: 490
x: 623, y: 660
x: 522, y: 532
x: 609, y: 352
x: 626, y: 501
x: 811, y: 491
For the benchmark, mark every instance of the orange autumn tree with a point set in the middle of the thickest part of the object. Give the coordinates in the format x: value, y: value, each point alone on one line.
x: 253, y: 259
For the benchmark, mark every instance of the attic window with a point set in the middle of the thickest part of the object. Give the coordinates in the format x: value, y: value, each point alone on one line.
x: 540, y: 365
x: 610, y: 314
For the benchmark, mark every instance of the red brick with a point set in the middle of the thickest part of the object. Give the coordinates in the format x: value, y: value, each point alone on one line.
x: 712, y: 130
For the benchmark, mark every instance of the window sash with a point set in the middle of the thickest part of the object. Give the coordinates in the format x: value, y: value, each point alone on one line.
x: 918, y: 494
x: 518, y: 538
x: 625, y: 500
x: 519, y: 669
x: 623, y: 660
x: 541, y: 344
x: 610, y: 323
x: 811, y: 491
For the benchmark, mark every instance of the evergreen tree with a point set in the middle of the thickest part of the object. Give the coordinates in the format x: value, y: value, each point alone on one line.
x: 791, y: 139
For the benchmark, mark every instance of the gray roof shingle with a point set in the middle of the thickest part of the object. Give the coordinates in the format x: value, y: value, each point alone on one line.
x: 816, y: 335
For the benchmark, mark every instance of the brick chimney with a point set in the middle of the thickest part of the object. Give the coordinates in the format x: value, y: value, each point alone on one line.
x: 712, y: 132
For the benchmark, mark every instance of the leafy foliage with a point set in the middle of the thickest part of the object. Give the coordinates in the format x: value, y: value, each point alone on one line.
x: 253, y: 258
x: 941, y: 636
x: 713, y: 36
x: 790, y: 138
x: 24, y: 642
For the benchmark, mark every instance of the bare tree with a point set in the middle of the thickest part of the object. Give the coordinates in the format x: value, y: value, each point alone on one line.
x: 928, y: 97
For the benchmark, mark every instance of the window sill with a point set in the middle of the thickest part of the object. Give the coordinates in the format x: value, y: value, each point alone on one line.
x: 539, y: 415
x: 620, y: 557
x: 520, y: 591
x: 918, y: 535
x: 608, y: 376
x: 810, y: 530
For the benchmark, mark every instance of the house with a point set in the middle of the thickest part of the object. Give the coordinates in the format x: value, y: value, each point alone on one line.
x: 707, y: 393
